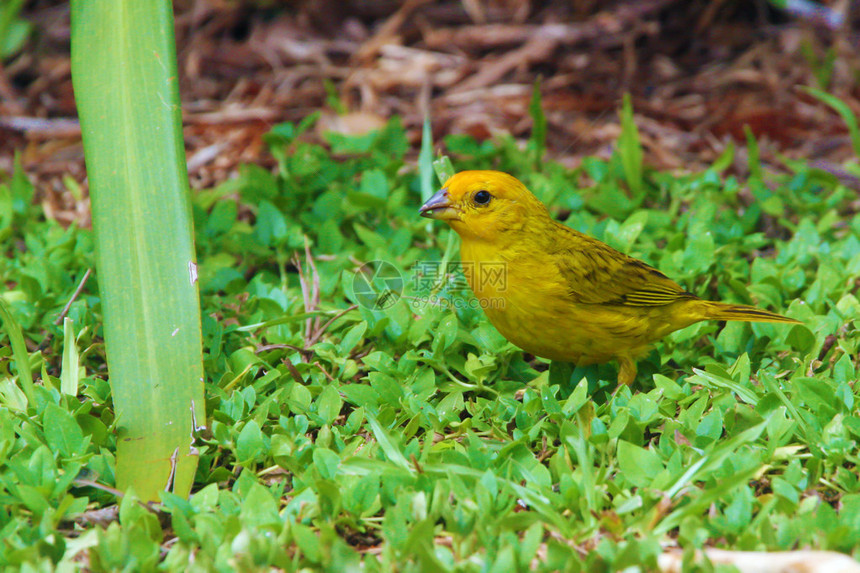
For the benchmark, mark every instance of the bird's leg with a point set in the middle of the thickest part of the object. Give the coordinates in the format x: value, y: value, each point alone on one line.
x: 626, y: 370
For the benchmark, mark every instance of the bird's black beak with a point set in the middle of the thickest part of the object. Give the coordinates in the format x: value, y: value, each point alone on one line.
x: 439, y: 206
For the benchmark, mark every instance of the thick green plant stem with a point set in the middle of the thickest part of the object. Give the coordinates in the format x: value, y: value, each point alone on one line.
x: 125, y: 80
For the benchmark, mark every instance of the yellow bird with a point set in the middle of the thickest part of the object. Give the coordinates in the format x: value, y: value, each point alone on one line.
x: 564, y: 295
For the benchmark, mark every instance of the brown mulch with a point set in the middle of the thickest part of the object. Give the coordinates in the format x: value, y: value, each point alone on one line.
x: 698, y: 71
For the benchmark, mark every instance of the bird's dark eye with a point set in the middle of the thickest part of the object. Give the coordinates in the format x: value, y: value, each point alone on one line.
x: 482, y: 197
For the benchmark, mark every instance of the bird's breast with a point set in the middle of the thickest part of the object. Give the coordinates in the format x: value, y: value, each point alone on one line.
x: 528, y: 301
x: 523, y: 296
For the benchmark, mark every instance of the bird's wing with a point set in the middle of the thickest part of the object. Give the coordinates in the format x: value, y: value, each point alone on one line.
x: 595, y: 273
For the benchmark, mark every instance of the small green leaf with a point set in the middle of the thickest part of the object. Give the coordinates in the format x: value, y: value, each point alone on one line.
x: 801, y: 339
x: 843, y: 110
x: 329, y: 404
x: 375, y: 184
x: 630, y: 148
x: 362, y: 495
x: 327, y: 462
x: 70, y: 374
x: 710, y: 428
x: 353, y: 336
x: 62, y: 432
x: 444, y: 169
x: 307, y: 542
x: 271, y: 225
x: 388, y: 446
x: 753, y: 159
x: 425, y: 161
x: 638, y: 465
x: 19, y: 351
x: 33, y: 499
x: 259, y: 507
x: 249, y: 443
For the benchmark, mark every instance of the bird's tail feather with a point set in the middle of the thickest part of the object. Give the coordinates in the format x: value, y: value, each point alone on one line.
x: 742, y: 312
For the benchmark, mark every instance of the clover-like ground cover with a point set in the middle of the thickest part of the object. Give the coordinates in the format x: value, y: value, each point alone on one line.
x: 412, y: 436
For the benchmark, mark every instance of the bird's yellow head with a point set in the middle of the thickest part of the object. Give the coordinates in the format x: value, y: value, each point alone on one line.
x: 485, y: 205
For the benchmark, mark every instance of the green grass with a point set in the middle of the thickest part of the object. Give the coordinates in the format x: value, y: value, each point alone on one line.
x: 412, y: 437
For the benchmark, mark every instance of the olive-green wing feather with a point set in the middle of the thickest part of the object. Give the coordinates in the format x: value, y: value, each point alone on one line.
x: 598, y: 274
